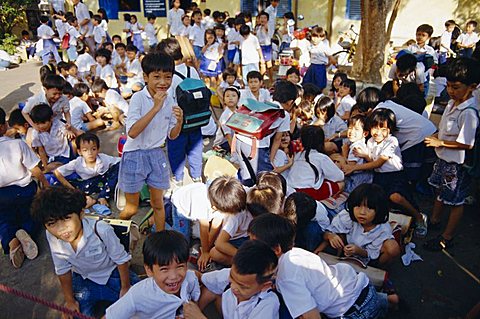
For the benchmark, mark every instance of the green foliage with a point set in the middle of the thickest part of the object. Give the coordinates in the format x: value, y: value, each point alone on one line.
x: 9, y: 43
x: 12, y: 13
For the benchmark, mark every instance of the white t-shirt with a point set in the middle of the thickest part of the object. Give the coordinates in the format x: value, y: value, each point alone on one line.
x: 303, y: 45
x: 359, y: 145
x: 263, y: 96
x: 264, y: 36
x: 55, y: 142
x: 98, y: 34
x: 84, y: 63
x: 250, y: 47
x: 346, y: 104
x: 16, y: 161
x: 281, y: 159
x: 306, y: 282
x: 220, y: 138
x: 60, y: 107
x: 412, y: 128
x: 151, y: 34
x: 196, y: 34
x: 272, y: 16
x: 321, y: 216
x: 457, y: 124
x: 78, y: 109
x: 184, y: 31
x: 233, y: 36
x: 319, y: 53
x: 371, y: 241
x: 45, y: 32
x: 468, y: 38
x: 134, y: 67
x: 302, y: 175
x: 191, y: 201
x: 113, y: 98
x: 212, y: 52
x: 236, y: 225
x: 445, y: 41
x: 145, y: 300
x: 60, y: 26
x: 136, y: 27
x: 107, y: 74
x: 102, y: 164
x: 174, y: 20
x: 262, y: 305
x: 72, y: 80
x: 388, y: 148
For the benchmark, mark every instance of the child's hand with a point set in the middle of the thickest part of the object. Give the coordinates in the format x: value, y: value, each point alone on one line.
x: 123, y: 291
x: 359, y: 152
x: 348, y: 169
x: 158, y: 99
x: 178, y: 113
x: 191, y: 311
x: 290, y: 160
x: 203, y: 260
x: 350, y: 250
x: 336, y: 241
x: 103, y: 201
x: 69, y: 134
x: 72, y: 305
x: 432, y: 141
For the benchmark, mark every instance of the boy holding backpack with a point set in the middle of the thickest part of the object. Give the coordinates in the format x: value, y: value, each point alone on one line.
x: 457, y: 134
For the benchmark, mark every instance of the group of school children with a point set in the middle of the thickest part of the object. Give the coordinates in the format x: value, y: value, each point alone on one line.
x: 260, y: 232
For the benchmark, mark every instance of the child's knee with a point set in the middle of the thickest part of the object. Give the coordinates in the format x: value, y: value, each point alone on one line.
x: 396, y: 198
x: 391, y: 248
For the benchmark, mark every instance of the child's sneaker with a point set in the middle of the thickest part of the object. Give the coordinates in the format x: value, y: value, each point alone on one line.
x: 421, y: 227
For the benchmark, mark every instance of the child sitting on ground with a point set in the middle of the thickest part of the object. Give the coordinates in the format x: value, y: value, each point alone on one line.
x: 90, y: 262
x: 254, y: 89
x: 264, y: 199
x: 333, y: 126
x: 53, y: 145
x: 309, y: 286
x: 229, y: 77
x: 346, y: 93
x: 337, y: 80
x: 169, y: 284
x: 133, y: 71
x: 407, y: 69
x: 112, y: 102
x: 104, y: 69
x: 243, y: 291
x: 284, y: 157
x: 365, y: 224
x: 93, y: 172
x: 80, y: 110
x: 19, y: 125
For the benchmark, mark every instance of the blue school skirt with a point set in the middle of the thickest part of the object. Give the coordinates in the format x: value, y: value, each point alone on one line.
x: 266, y: 52
x: 231, y: 55
x: 316, y: 74
x: 204, y: 63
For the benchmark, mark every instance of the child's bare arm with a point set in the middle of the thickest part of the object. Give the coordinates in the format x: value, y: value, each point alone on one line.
x: 67, y: 289
x: 90, y: 117
x: 38, y: 174
x: 204, y: 244
x: 178, y: 113
x: 62, y: 179
x: 275, y: 145
x: 124, y: 278
x: 434, y: 141
x: 43, y: 156
x: 28, y: 119
x: 312, y: 314
x: 365, y: 167
x: 222, y: 244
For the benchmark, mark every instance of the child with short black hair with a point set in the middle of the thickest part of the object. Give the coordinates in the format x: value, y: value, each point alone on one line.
x: 243, y: 290
x: 99, y: 34
x: 264, y: 35
x: 346, y: 94
x: 366, y: 227
x: 46, y: 34
x: 407, y: 69
x: 210, y: 64
x: 456, y: 135
x: 231, y: 95
x: 104, y: 69
x: 229, y: 78
x: 133, y: 71
x: 467, y: 40
x: 152, y: 117
x: 293, y: 75
x: 72, y: 76
x: 251, y: 52
x: 197, y: 35
x: 332, y: 124
x: 19, y: 124
x: 86, y: 253
x: 169, y: 284
x: 337, y: 80
x: 92, y: 172
x: 114, y: 103
x: 136, y: 29
x: 151, y: 32
x: 308, y: 285
x: 422, y: 35
x: 80, y: 110
x: 254, y: 90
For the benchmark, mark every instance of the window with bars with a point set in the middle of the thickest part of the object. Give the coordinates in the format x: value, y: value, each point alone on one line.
x: 252, y: 6
x: 354, y: 10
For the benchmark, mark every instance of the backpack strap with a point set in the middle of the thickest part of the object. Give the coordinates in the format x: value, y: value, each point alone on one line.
x: 96, y: 231
x: 180, y: 75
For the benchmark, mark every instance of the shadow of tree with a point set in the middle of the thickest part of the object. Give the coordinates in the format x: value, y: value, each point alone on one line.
x: 10, y: 100
x: 466, y: 10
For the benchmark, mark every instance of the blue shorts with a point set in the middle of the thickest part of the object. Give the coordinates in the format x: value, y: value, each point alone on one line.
x: 452, y: 182
x: 143, y: 166
x: 198, y: 51
x: 266, y: 52
x: 238, y: 242
x: 370, y: 304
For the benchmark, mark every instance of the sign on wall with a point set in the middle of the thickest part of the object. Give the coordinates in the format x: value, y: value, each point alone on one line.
x: 156, y: 7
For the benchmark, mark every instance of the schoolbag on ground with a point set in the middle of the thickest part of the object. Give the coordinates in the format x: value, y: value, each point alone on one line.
x: 254, y: 120
x: 193, y: 97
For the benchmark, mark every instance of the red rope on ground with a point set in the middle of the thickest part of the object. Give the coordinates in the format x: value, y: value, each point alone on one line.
x: 49, y: 304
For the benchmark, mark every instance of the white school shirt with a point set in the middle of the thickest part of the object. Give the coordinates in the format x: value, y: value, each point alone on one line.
x: 306, y: 282
x: 360, y: 144
x: 272, y: 16
x: 151, y: 34
x: 319, y: 53
x: 220, y: 138
x: 457, y: 124
x: 78, y: 109
x: 250, y: 47
x: 97, y: 255
x: 84, y: 63
x: 334, y: 126
x: 191, y: 201
x: 468, y: 38
x: 98, y: 34
x: 55, y: 142
x: 233, y: 36
x: 263, y: 96
x: 176, y: 80
x: 45, y: 32
x: 196, y: 34
x: 281, y: 159
x: 72, y: 80
x: 104, y: 25
x: 16, y: 161
x: 265, y: 304
x: 426, y: 49
x: 60, y: 26
x: 136, y: 27
x: 321, y: 216
x: 303, y: 45
x: 103, y: 163
x: 58, y: 5
x: 236, y: 225
x: 208, y: 22
x: 117, y: 59
x: 128, y: 26
x: 146, y: 300
x: 412, y: 128
x: 107, y: 74
x: 346, y: 104
x: 134, y: 67
x: 389, y: 148
x: 418, y: 76
x: 445, y: 40
x: 174, y: 20
x: 184, y: 31
x: 81, y: 12
x: 154, y: 135
x: 212, y: 53
x: 59, y: 108
x: 302, y: 175
x: 370, y: 241
x: 264, y: 37
x: 113, y: 98
x: 224, y: 84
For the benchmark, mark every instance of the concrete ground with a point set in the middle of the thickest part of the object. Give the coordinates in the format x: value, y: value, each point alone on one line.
x: 434, y: 288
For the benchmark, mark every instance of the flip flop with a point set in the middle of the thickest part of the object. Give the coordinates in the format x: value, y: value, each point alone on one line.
x: 102, y: 210
x: 17, y: 256
x: 29, y: 247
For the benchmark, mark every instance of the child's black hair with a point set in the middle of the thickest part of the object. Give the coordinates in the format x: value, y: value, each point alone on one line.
x: 120, y: 45
x: 107, y: 44
x: 472, y: 22
x: 87, y: 137
x: 207, y: 12
x: 53, y: 81
x: 116, y: 36
x: 15, y: 118
x: 381, y: 116
x: 196, y: 12
x: 151, y: 17
x: 263, y: 13
x: 209, y: 32
x: 105, y: 53
x: 239, y: 21
x: 97, y: 18
x: 313, y: 138
x: 325, y: 104
x: 300, y: 209
x: 131, y: 48
x: 428, y: 29
x: 68, y: 89
x: 341, y: 75
x: 231, y: 22
x: 285, y: 91
x: 229, y: 72
x: 349, y: 83
x: 126, y: 17
x: 413, y: 102
x: 3, y: 116
x: 71, y: 19
x: 104, y: 14
x: 372, y: 196
x: 25, y: 32
x: 449, y: 23
x: 464, y: 70
x: 244, y: 30
x: 232, y: 89
x: 62, y: 66
x: 47, y: 69
x: 254, y: 75
x: 41, y: 113
x: 80, y: 89
x: 406, y: 63
x: 56, y: 203
x: 293, y: 70
x: 368, y: 99
x: 289, y: 15
x: 134, y: 16
x: 44, y: 18
x: 256, y: 258
x: 156, y: 62
x: 99, y: 85
x: 165, y: 247
x: 310, y: 89
x: 386, y: 92
x: 273, y: 230
x: 358, y: 118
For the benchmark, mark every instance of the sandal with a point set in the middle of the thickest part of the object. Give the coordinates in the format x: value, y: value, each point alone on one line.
x: 29, y: 247
x: 421, y: 227
x: 437, y: 244
x: 17, y: 256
